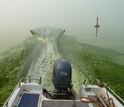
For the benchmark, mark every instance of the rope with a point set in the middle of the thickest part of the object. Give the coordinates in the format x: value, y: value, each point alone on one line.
x: 74, y: 96
x: 97, y: 101
x: 109, y: 99
x: 109, y: 102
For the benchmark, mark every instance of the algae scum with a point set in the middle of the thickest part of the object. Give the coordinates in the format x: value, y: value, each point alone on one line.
x: 35, y: 58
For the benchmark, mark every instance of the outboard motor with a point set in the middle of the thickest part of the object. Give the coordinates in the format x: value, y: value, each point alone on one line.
x: 62, y: 75
x: 62, y: 81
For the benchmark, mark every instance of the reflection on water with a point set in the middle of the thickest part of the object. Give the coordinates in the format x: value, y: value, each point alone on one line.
x: 96, y: 27
x: 96, y: 31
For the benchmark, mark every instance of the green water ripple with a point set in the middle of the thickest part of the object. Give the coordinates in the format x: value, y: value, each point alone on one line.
x: 11, y: 65
x: 94, y: 63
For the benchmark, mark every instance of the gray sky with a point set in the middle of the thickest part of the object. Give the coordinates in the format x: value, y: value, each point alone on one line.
x: 17, y: 17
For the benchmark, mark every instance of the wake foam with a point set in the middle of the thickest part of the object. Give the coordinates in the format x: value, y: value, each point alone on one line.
x: 43, y: 67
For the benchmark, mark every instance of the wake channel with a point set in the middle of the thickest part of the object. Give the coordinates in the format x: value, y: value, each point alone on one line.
x: 48, y: 37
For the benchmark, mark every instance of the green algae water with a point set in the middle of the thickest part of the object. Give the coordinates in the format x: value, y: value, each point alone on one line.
x: 11, y: 67
x: 36, y: 55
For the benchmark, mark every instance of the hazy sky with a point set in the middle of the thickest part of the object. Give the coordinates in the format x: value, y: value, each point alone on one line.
x: 17, y: 17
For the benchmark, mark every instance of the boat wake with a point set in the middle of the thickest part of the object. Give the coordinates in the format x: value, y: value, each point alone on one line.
x: 51, y: 39
x: 49, y: 53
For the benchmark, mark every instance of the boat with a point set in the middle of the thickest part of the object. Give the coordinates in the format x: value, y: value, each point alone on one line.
x: 29, y: 92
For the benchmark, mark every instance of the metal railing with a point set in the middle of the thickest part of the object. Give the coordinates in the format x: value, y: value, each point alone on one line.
x: 86, y: 82
x: 114, y: 93
x: 19, y: 85
x: 97, y: 81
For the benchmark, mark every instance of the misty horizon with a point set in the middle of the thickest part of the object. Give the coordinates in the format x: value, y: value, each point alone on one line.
x: 78, y: 18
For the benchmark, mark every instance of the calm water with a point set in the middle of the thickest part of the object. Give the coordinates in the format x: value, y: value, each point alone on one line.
x: 110, y: 38
x: 106, y: 38
x: 9, y: 42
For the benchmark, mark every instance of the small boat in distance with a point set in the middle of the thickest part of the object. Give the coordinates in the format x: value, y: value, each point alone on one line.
x: 28, y: 93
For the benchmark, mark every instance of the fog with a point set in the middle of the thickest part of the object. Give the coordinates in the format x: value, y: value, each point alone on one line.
x: 77, y: 17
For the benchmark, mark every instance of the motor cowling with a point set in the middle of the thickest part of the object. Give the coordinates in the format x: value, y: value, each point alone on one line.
x: 62, y: 74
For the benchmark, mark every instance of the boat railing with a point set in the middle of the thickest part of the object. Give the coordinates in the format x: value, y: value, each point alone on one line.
x: 114, y: 93
x: 19, y: 85
x: 97, y: 81
x: 110, y: 90
x: 85, y: 82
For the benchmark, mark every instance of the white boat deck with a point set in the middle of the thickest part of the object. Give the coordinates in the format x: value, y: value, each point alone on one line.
x: 31, y: 95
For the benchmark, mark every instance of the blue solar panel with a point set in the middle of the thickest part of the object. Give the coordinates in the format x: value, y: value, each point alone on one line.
x: 29, y: 100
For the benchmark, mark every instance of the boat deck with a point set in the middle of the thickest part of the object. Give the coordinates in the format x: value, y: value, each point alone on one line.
x: 31, y: 95
x: 49, y: 103
x: 33, y: 100
x: 46, y: 103
x: 29, y: 100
